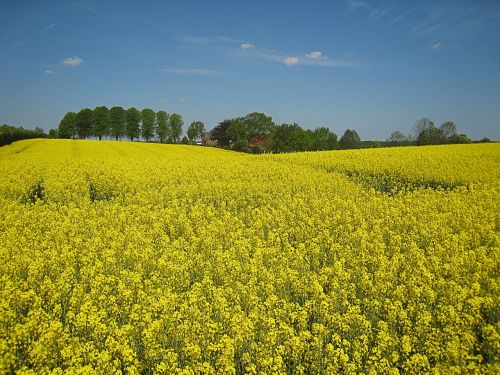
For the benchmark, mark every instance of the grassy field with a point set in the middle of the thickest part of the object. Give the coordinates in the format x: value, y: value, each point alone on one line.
x: 146, y: 258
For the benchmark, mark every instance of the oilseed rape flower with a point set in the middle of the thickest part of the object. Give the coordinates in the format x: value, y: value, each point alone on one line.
x: 136, y: 258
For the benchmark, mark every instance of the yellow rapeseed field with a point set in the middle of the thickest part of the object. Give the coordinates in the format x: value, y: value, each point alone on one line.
x: 135, y: 258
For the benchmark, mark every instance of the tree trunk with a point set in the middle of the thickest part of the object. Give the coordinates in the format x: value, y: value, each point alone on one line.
x: 100, y: 137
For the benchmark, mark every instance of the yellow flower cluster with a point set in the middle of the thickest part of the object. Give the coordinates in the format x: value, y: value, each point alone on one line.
x: 167, y: 259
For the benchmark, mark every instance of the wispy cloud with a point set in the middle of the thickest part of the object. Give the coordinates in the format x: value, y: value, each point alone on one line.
x: 436, y: 45
x: 353, y: 5
x: 314, y: 58
x: 47, y: 28
x: 316, y: 55
x: 250, y: 51
x: 84, y: 6
x: 379, y: 12
x: 196, y: 72
x: 401, y: 16
x: 73, y: 61
x: 246, y: 46
x: 49, y: 72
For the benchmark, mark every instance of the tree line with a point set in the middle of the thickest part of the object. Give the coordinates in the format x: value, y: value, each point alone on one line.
x: 10, y: 133
x: 425, y: 132
x: 254, y: 133
x: 131, y: 123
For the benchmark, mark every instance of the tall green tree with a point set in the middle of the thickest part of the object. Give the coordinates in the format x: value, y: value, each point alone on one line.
x: 66, y: 128
x: 100, y: 121
x: 350, y: 139
x: 133, y: 129
x: 195, y: 131
x: 148, y: 123
x: 162, y: 126
x: 118, y: 122
x: 176, y: 124
x: 83, y: 123
x: 324, y: 139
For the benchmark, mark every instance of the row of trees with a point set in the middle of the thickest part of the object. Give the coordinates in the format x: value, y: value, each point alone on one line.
x: 426, y: 133
x: 10, y: 133
x: 118, y: 122
x: 257, y: 132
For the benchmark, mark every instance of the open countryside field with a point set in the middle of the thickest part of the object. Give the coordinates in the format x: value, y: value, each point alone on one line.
x: 148, y: 258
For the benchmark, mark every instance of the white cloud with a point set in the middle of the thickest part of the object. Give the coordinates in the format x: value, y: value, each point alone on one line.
x: 48, y: 71
x: 290, y: 60
x: 316, y: 55
x: 246, y: 46
x: 314, y: 58
x: 47, y: 28
x: 194, y: 72
x: 437, y: 45
x: 73, y: 61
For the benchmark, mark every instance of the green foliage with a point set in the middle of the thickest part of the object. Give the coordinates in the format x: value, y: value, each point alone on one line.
x: 459, y: 139
x: 220, y: 134
x: 162, y: 126
x: 290, y: 138
x: 118, y: 121
x: 254, y: 124
x: 100, y: 121
x: 133, y: 120
x: 148, y: 123
x: 9, y: 134
x: 185, y: 140
x: 83, y: 123
x: 431, y: 136
x: 324, y: 139
x: 195, y: 131
x: 350, y: 140
x: 67, y: 126
x: 175, y: 127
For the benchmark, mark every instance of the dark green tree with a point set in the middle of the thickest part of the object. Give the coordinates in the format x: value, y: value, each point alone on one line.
x: 67, y: 127
x: 195, y: 131
x: 100, y: 121
x: 459, y: 139
x: 133, y: 121
x: 349, y: 140
x: 220, y: 134
x: 148, y: 123
x: 291, y: 138
x: 83, y: 123
x: 162, y: 126
x: 118, y: 122
x: 431, y: 136
x: 176, y: 127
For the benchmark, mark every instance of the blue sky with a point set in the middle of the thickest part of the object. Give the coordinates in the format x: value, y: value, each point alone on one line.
x: 374, y: 66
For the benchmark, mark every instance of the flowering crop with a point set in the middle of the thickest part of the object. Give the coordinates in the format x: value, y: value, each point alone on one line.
x: 144, y: 258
